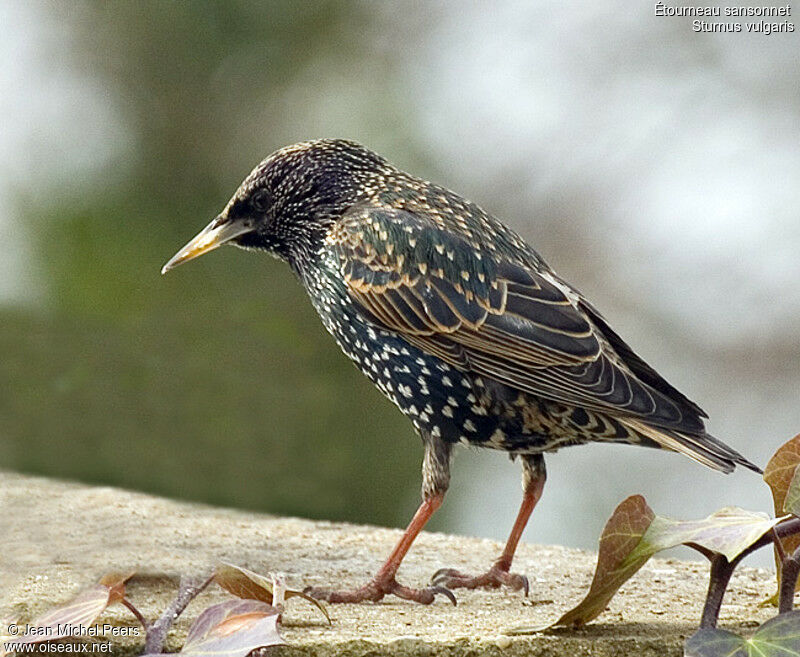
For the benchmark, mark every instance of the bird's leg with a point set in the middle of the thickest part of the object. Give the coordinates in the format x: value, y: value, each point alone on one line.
x: 435, y: 480
x: 533, y: 478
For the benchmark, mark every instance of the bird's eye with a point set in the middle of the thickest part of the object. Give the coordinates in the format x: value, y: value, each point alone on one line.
x: 260, y: 200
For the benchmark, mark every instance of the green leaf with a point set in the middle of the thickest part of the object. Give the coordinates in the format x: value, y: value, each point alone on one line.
x: 246, y: 584
x: 715, y: 643
x: 622, y: 534
x: 778, y: 637
x: 634, y: 533
x: 729, y: 532
x: 616, y: 559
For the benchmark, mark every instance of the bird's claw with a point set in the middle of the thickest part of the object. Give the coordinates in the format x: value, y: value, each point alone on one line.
x: 376, y: 590
x: 493, y: 578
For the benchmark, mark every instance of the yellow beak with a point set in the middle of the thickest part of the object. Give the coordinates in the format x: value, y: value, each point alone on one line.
x: 218, y: 232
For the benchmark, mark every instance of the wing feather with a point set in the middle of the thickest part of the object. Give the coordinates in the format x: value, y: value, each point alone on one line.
x: 510, y: 322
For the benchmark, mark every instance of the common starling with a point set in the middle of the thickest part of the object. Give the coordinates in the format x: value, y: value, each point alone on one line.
x: 459, y: 322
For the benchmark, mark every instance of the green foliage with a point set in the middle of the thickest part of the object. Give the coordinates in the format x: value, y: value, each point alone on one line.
x: 778, y: 637
x: 634, y: 533
x: 617, y: 560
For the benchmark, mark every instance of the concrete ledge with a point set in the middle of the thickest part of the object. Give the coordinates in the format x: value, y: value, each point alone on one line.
x: 59, y: 537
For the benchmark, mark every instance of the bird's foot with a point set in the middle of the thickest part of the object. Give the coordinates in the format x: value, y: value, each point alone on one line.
x: 493, y: 578
x: 377, y: 588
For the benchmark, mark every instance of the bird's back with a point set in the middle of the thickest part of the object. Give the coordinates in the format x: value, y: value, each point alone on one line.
x: 459, y: 289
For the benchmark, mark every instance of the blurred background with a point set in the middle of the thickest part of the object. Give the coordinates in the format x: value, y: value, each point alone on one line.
x: 655, y: 168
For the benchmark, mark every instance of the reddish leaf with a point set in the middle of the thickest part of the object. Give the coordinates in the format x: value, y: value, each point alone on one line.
x: 778, y: 474
x: 791, y: 503
x: 233, y: 629
x: 116, y: 585
x: 244, y: 583
x: 780, y: 470
x: 622, y: 533
x: 65, y: 620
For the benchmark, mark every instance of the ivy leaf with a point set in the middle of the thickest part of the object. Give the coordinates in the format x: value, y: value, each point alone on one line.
x: 246, y: 584
x: 780, y: 470
x: 778, y: 475
x: 791, y: 503
x: 233, y: 628
x: 729, y: 532
x: 634, y: 533
x: 778, y: 637
x: 81, y: 611
x: 715, y: 643
x: 616, y: 561
x: 621, y: 535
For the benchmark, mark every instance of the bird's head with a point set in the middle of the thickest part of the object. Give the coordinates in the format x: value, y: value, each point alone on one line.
x: 289, y: 199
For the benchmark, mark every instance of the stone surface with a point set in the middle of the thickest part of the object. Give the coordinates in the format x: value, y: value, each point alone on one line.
x: 59, y: 537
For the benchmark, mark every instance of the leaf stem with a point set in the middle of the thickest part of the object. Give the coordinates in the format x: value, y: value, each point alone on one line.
x: 788, y: 527
x: 721, y: 571
x: 778, y: 546
x: 136, y: 613
x: 188, y: 590
x: 789, y: 572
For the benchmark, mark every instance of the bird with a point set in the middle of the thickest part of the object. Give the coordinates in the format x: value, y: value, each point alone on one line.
x: 460, y: 323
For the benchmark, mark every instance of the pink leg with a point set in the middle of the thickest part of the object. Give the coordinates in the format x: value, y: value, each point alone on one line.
x: 435, y: 479
x: 534, y: 476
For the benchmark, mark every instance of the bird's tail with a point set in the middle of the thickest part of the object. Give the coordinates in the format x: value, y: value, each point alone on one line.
x: 702, y: 448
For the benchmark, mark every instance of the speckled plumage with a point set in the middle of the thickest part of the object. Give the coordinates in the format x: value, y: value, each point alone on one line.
x: 455, y: 318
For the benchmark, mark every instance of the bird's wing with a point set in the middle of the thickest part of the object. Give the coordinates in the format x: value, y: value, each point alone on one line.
x: 490, y: 315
